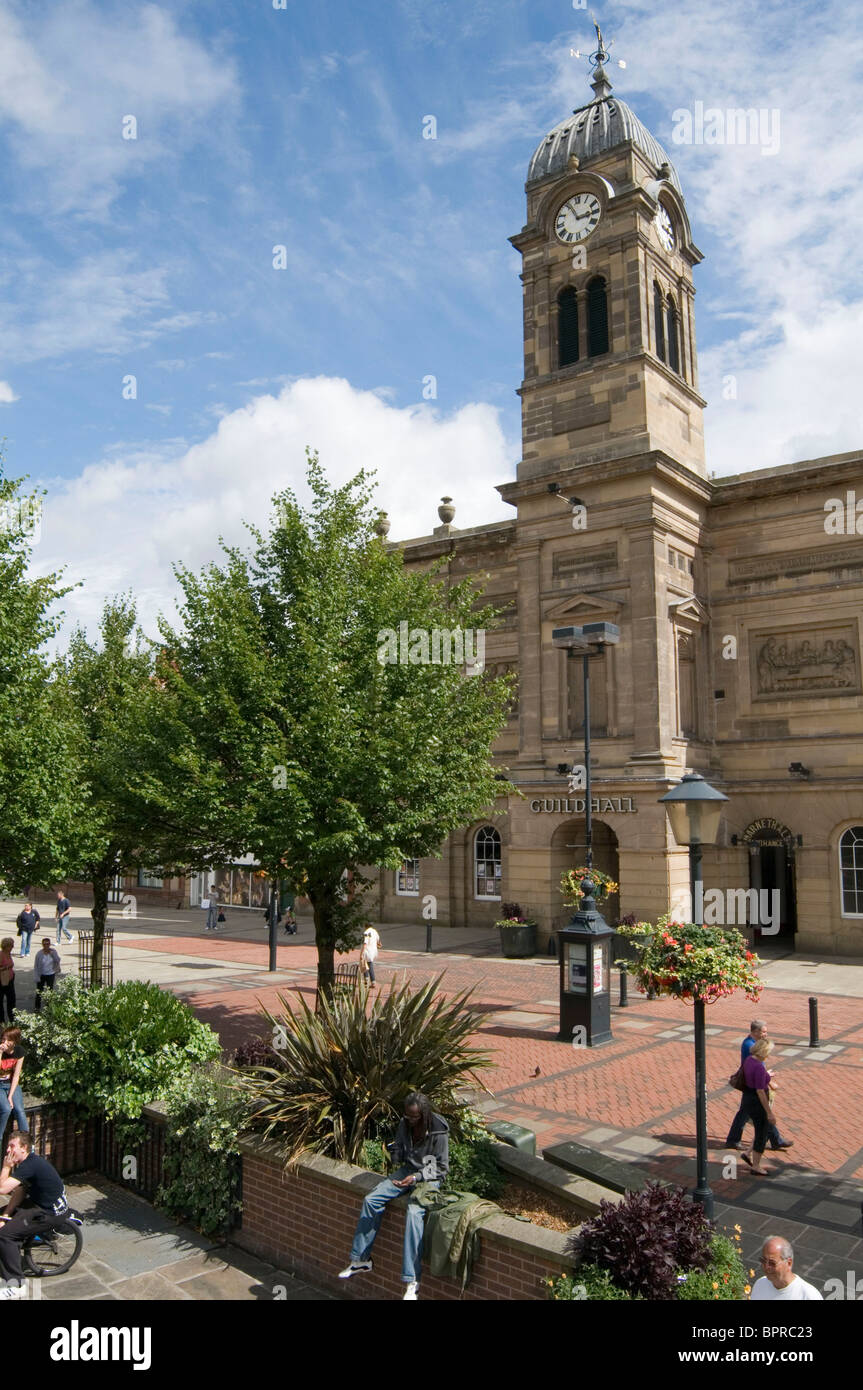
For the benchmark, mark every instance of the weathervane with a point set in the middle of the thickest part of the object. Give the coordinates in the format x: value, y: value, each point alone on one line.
x: 602, y: 54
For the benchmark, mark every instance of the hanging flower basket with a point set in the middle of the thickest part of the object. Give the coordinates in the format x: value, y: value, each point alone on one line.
x: 691, y: 962
x: 571, y: 881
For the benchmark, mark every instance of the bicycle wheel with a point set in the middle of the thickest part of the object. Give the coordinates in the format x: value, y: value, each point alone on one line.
x: 52, y: 1252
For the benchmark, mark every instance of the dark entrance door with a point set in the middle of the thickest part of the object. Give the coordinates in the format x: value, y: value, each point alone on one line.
x: 771, y: 871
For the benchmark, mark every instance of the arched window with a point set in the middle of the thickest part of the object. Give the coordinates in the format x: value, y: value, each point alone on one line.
x: 597, y: 317
x: 851, y: 870
x: 673, y: 335
x: 567, y: 327
x: 659, y: 322
x: 487, y: 863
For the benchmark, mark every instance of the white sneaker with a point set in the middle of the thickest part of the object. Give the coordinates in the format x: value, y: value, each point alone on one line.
x: 361, y: 1267
x: 412, y: 1293
x: 11, y: 1291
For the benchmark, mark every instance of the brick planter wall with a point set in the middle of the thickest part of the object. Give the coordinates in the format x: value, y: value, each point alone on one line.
x: 304, y: 1222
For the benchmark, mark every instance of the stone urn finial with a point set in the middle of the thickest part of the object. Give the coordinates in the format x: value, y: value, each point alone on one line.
x: 382, y: 525
x: 446, y: 511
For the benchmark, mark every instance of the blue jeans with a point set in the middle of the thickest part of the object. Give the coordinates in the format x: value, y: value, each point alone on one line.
x: 26, y: 938
x: 370, y: 1220
x: 63, y: 926
x: 17, y: 1105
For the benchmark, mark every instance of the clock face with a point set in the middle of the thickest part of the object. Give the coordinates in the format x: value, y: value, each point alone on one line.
x: 578, y: 217
x: 665, y: 228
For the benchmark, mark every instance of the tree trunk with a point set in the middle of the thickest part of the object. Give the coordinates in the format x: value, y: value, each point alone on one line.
x: 324, y: 941
x: 101, y: 883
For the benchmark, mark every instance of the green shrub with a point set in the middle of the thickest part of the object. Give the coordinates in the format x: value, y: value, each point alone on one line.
x: 113, y: 1050
x: 473, y: 1168
x: 589, y: 1283
x: 374, y: 1157
x: 724, y: 1278
x: 201, y: 1171
x: 347, y: 1072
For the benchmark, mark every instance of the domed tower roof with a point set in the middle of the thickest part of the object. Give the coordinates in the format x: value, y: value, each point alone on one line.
x: 593, y: 129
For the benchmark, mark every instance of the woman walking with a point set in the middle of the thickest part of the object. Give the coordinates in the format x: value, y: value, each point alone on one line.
x: 756, y: 1106
x: 28, y: 921
x: 11, y: 1062
x: 7, y: 981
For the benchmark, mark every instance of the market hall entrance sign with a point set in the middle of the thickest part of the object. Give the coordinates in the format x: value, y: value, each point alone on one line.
x: 574, y: 805
x: 767, y: 831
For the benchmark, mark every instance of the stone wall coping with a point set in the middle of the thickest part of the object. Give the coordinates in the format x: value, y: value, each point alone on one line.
x: 519, y: 1236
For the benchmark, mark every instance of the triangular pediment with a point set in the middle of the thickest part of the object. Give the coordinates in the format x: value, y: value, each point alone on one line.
x: 689, y: 609
x: 583, y: 607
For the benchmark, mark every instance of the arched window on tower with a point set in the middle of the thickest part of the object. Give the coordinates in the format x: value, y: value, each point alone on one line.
x: 567, y: 327
x: 659, y: 321
x: 597, y: 317
x: 673, y: 336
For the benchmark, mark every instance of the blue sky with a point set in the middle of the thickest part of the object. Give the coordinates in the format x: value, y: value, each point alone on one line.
x: 257, y: 127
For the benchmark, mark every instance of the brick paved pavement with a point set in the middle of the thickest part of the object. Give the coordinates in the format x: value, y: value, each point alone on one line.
x: 631, y: 1098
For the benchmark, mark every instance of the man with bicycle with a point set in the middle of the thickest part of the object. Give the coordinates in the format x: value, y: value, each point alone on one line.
x: 37, y: 1180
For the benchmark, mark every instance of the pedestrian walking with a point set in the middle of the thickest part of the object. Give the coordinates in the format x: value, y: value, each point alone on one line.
x: 757, y: 1031
x: 756, y: 1103
x: 212, y: 914
x: 369, y: 952
x: 421, y: 1148
x: 63, y: 913
x: 779, y: 1282
x: 11, y: 1064
x: 46, y: 968
x: 7, y: 981
x: 28, y: 921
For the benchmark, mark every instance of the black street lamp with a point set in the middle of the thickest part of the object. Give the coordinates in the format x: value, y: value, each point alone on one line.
x: 587, y: 641
x: 694, y: 810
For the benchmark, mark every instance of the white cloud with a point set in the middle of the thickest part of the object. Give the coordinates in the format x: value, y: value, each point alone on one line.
x: 70, y: 74
x: 7, y: 395
x: 137, y: 513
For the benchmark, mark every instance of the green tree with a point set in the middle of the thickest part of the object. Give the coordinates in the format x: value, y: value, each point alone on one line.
x: 39, y: 802
x: 104, y: 691
x: 292, y: 739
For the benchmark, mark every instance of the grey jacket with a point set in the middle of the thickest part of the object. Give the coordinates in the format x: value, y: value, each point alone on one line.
x: 434, y: 1145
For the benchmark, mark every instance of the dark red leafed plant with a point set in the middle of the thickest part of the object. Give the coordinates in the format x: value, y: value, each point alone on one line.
x: 646, y: 1241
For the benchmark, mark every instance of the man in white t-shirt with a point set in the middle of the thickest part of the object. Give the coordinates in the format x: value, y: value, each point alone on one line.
x: 779, y: 1280
x: 369, y: 952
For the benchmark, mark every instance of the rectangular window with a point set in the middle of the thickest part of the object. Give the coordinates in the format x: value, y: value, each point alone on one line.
x: 408, y: 879
x: 147, y: 878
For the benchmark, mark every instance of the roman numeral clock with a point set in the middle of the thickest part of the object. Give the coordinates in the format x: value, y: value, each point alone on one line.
x: 578, y: 217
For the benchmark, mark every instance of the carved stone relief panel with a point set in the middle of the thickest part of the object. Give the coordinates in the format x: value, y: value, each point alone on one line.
x: 805, y: 661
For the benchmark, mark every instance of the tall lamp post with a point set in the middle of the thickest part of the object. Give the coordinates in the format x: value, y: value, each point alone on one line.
x: 694, y: 810
x: 587, y: 641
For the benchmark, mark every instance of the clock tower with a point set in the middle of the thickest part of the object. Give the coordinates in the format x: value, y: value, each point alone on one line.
x: 610, y: 367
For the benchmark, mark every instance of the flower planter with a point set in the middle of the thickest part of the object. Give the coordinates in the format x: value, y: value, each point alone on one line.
x: 518, y: 941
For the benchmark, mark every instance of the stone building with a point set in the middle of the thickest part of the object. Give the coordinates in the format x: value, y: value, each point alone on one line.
x: 738, y: 599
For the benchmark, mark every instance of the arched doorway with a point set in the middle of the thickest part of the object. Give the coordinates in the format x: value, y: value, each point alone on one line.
x: 772, y: 873
x: 568, y: 851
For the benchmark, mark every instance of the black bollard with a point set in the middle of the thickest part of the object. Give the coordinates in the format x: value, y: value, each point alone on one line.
x: 623, y: 1002
x: 813, y: 1022
x: 429, y: 934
